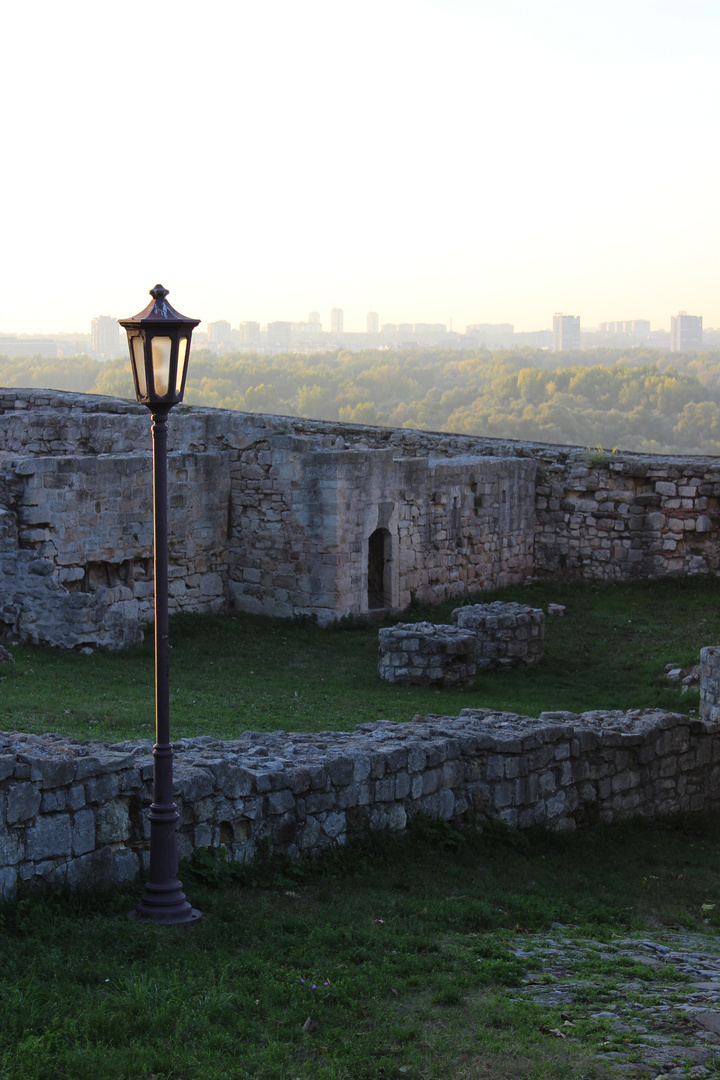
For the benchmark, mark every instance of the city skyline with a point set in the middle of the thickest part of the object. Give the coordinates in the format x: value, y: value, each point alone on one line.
x: 399, y: 157
x: 371, y: 323
x: 105, y: 340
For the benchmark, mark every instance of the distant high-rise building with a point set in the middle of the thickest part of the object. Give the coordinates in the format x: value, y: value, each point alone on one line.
x: 372, y: 322
x: 11, y: 346
x: 490, y: 329
x: 279, y: 333
x: 491, y: 335
x: 105, y: 337
x: 636, y: 327
x: 219, y: 332
x: 566, y: 332
x: 314, y: 320
x: 336, y: 320
x: 686, y: 332
x: 250, y: 333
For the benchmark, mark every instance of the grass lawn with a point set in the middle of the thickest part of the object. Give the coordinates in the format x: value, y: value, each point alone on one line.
x: 394, y: 959
x: 232, y: 674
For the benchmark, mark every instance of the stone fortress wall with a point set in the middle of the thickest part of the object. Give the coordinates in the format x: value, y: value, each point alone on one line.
x: 286, y: 516
x: 73, y: 810
x: 296, y: 517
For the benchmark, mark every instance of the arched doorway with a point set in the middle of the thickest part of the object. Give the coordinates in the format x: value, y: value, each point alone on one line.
x: 378, y: 578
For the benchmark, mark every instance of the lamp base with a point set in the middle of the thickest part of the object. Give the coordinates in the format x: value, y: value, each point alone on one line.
x: 140, y: 915
x: 165, y: 904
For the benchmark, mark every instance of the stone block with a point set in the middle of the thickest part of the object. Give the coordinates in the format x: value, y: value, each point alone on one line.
x: 8, y: 882
x: 443, y: 655
x: 334, y: 825
x: 75, y: 797
x: 102, y: 788
x: 507, y: 633
x: 361, y: 767
x: 402, y: 785
x: 49, y: 838
x: 340, y: 770
x: 202, y: 835
x: 446, y: 804
x: 385, y: 790
x: 279, y: 802
x: 113, y: 822
x: 353, y: 795
x: 503, y: 795
x: 83, y: 832
x: 7, y: 765
x: 53, y: 800
x: 87, y: 766
x: 23, y: 802
x: 12, y: 847
x: 195, y: 784
x: 285, y: 829
x: 317, y: 802
x: 495, y: 768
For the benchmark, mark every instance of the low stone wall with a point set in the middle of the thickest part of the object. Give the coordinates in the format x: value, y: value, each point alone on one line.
x: 710, y: 683
x: 425, y: 654
x: 71, y: 810
x: 507, y: 634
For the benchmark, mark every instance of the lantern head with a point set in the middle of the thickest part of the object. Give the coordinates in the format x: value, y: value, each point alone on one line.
x: 159, y: 342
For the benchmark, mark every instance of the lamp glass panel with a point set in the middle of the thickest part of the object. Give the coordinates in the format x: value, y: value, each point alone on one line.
x: 138, y: 348
x: 161, y: 349
x: 182, y: 361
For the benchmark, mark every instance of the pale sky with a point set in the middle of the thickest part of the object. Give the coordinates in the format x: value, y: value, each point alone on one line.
x: 480, y: 160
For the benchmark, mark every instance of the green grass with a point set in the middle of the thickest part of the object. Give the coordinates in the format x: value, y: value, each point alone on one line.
x: 231, y: 674
x: 405, y: 944
x: 390, y: 959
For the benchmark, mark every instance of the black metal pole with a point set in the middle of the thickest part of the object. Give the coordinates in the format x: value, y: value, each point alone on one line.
x: 163, y: 900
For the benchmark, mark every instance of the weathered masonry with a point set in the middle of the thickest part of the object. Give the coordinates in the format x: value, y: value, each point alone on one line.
x: 76, y: 544
x: 335, y: 531
x: 73, y: 810
x: 263, y: 516
x: 288, y: 517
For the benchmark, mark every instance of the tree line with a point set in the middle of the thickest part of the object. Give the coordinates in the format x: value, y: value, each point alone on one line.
x: 641, y: 399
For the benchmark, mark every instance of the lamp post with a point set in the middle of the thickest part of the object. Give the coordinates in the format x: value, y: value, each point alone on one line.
x: 159, y: 342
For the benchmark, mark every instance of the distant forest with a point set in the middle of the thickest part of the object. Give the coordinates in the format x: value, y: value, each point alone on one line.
x: 639, y: 399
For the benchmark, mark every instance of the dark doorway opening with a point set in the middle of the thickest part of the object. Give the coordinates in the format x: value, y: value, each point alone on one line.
x: 378, y: 553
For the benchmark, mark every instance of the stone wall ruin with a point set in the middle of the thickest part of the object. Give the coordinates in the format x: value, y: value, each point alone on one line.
x: 263, y: 517
x: 71, y: 810
x: 291, y: 517
x: 288, y: 517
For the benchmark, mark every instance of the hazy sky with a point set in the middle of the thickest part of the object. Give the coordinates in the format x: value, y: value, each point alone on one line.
x: 485, y: 160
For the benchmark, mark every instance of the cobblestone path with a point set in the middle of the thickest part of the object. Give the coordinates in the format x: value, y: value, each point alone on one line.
x: 652, y: 1000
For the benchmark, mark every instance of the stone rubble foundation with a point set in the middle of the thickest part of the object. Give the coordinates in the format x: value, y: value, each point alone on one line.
x: 73, y: 811
x: 710, y: 683
x: 425, y: 654
x: 482, y: 636
x: 507, y: 634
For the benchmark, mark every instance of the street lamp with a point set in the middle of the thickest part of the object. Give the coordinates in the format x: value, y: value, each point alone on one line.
x: 159, y: 342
